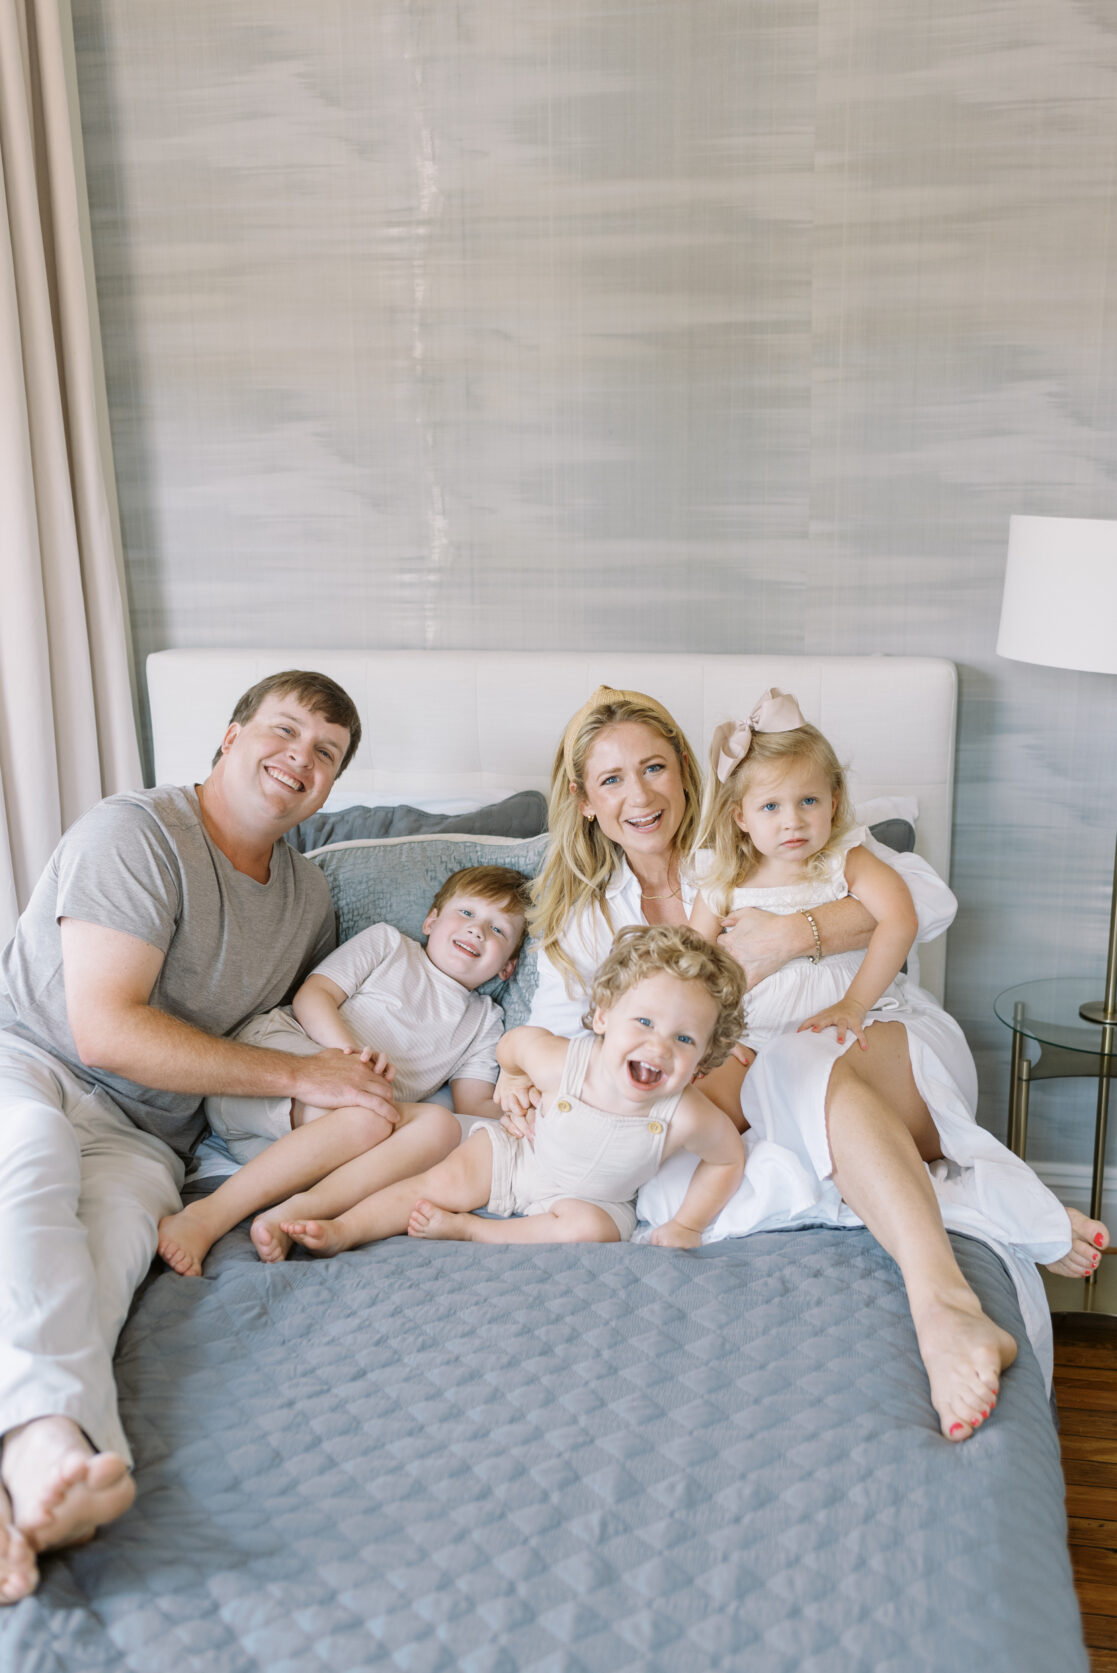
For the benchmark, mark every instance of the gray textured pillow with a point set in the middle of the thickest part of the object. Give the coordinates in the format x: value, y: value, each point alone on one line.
x: 521, y: 815
x: 897, y: 834
x: 393, y: 881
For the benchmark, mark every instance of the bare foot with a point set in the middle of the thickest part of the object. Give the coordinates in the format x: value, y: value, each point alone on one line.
x: 19, y: 1572
x: 1088, y: 1239
x: 428, y: 1220
x: 185, y: 1240
x: 61, y: 1490
x: 321, y: 1237
x: 963, y: 1353
x: 270, y: 1240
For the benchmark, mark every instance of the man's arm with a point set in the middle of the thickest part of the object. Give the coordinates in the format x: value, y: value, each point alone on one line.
x: 109, y: 977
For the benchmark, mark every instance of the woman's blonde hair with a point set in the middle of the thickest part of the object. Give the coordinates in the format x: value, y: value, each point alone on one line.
x: 643, y: 950
x: 580, y: 860
x: 733, y: 856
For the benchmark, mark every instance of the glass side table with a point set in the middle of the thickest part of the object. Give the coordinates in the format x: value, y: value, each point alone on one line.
x: 1047, y: 1012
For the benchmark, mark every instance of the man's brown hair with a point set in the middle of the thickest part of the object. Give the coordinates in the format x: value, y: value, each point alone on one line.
x: 316, y: 692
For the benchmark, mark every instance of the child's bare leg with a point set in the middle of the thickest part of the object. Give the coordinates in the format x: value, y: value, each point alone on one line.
x: 463, y: 1180
x: 297, y: 1159
x: 1088, y: 1239
x: 569, y: 1221
x: 302, y: 1113
x: 424, y: 1135
x: 881, y: 1133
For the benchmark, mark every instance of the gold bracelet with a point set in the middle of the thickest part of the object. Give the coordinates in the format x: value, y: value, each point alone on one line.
x: 817, y: 957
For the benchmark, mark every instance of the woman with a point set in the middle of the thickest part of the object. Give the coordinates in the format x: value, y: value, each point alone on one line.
x: 625, y: 795
x: 623, y: 814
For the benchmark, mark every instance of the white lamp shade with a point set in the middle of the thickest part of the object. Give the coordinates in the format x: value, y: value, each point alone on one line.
x: 1060, y: 597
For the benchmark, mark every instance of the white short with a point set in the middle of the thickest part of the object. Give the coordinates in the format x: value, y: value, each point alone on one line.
x: 515, y: 1191
x: 249, y: 1125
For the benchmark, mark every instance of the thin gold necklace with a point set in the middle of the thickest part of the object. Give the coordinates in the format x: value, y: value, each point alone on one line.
x: 670, y: 895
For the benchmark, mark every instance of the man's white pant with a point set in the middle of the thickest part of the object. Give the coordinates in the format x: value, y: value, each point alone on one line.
x: 81, y: 1194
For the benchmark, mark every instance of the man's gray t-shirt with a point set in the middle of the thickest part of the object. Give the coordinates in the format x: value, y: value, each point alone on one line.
x: 141, y: 862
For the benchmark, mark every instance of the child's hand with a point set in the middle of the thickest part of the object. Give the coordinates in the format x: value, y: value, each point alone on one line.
x: 518, y: 1098
x: 847, y: 1016
x: 674, y: 1235
x: 379, y: 1062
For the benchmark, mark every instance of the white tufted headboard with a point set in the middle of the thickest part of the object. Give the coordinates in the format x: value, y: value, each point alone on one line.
x: 481, y: 724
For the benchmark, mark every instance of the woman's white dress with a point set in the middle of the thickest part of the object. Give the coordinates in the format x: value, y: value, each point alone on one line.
x: 982, y: 1188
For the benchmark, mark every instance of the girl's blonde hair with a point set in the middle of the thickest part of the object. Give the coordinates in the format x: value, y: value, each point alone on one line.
x: 643, y: 950
x: 580, y: 860
x: 733, y: 856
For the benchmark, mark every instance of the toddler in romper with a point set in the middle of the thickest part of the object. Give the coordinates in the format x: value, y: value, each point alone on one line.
x: 665, y: 1007
x: 414, y: 1012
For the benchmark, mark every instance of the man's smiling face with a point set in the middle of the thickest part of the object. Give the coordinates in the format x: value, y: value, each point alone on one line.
x: 284, y: 758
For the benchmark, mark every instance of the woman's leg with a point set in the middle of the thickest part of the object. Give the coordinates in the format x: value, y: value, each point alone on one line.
x: 463, y: 1180
x: 881, y: 1135
x: 891, y: 1075
x: 569, y: 1221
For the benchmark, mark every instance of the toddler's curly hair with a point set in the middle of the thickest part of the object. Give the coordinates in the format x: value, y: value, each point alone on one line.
x: 643, y: 950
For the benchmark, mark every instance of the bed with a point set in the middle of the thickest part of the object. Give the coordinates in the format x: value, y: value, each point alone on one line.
x: 443, y: 1456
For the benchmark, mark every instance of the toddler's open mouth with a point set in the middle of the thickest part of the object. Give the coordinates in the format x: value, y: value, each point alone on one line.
x: 643, y: 1075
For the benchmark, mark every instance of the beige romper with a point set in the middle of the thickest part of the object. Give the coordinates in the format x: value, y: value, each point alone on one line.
x: 580, y: 1151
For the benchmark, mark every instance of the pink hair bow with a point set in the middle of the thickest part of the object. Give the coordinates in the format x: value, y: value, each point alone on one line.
x: 777, y: 711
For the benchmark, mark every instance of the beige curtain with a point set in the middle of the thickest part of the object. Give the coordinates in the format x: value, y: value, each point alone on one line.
x: 67, y: 727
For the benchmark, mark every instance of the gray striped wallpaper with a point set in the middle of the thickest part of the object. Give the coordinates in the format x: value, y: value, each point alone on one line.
x: 702, y: 324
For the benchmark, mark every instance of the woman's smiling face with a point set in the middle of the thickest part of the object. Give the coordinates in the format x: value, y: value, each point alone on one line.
x: 634, y: 789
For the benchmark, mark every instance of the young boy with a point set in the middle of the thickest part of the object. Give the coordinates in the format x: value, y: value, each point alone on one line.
x: 415, y: 1013
x: 615, y: 1105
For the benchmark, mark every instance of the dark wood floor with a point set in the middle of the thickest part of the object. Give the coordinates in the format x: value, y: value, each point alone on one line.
x: 1086, y: 1390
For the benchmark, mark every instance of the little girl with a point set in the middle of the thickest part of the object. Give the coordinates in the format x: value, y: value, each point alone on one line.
x: 777, y: 833
x: 666, y: 1007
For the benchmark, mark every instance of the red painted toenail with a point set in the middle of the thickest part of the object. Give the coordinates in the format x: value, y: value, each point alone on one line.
x: 955, y: 1428
x: 985, y: 1414
x: 1099, y: 1240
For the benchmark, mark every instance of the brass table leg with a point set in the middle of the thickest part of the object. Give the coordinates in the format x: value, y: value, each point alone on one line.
x: 1020, y: 1075
x: 1097, y: 1182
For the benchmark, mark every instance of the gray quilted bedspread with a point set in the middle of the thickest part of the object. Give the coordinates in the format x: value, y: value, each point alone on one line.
x: 426, y: 1456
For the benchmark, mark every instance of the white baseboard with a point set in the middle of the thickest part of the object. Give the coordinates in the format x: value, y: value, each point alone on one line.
x: 1070, y: 1182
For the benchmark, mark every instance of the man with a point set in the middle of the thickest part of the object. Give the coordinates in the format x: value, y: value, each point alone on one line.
x: 165, y: 918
